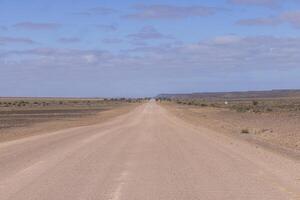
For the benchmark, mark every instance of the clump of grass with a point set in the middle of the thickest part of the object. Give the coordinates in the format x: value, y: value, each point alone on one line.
x: 269, y: 109
x: 241, y: 108
x: 245, y: 131
x: 254, y: 103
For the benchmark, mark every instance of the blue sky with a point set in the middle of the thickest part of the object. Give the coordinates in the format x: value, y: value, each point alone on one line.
x: 142, y: 48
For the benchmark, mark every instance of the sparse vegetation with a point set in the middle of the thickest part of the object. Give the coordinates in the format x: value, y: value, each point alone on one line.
x: 245, y: 131
x: 15, y: 112
x: 254, y: 103
x: 242, y: 105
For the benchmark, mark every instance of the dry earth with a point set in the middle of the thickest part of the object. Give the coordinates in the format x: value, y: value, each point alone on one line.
x: 279, y: 131
x: 19, y: 123
x: 147, y: 154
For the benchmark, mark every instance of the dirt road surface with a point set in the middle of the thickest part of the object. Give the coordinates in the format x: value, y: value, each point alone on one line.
x: 147, y: 154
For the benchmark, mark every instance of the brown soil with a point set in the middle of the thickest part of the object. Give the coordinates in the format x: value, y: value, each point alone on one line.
x: 146, y: 154
x: 273, y: 129
x: 17, y: 124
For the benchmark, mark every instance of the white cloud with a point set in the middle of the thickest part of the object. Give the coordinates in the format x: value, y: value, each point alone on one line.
x: 90, y: 58
x: 220, y: 53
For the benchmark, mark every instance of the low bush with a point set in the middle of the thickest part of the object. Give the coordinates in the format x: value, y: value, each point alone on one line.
x: 245, y: 131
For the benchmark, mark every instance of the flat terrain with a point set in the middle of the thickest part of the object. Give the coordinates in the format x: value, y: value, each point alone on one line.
x: 22, y: 117
x: 148, y: 153
x: 272, y: 122
x: 235, y: 95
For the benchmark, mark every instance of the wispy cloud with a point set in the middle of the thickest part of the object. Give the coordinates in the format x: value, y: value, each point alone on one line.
x: 69, y: 40
x: 65, y: 58
x: 148, y: 33
x: 227, y: 40
x: 268, y: 21
x: 37, y: 26
x: 15, y: 40
x: 220, y: 53
x: 170, y: 12
x: 107, y: 27
x: 98, y: 11
x: 290, y: 17
x: 57, y: 52
x: 3, y: 28
x: 112, y: 40
x: 228, y: 53
x: 265, y: 3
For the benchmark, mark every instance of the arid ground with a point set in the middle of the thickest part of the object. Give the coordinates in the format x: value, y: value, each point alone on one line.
x: 277, y: 130
x: 22, y: 117
x: 270, y: 118
x: 148, y: 152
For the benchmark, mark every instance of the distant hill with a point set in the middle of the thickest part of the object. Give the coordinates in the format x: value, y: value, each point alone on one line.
x: 235, y: 95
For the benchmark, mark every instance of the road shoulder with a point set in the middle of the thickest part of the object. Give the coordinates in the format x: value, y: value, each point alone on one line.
x: 207, y: 118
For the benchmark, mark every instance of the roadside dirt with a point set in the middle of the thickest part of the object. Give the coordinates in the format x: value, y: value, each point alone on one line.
x: 279, y: 131
x: 39, y: 123
x: 145, y: 154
